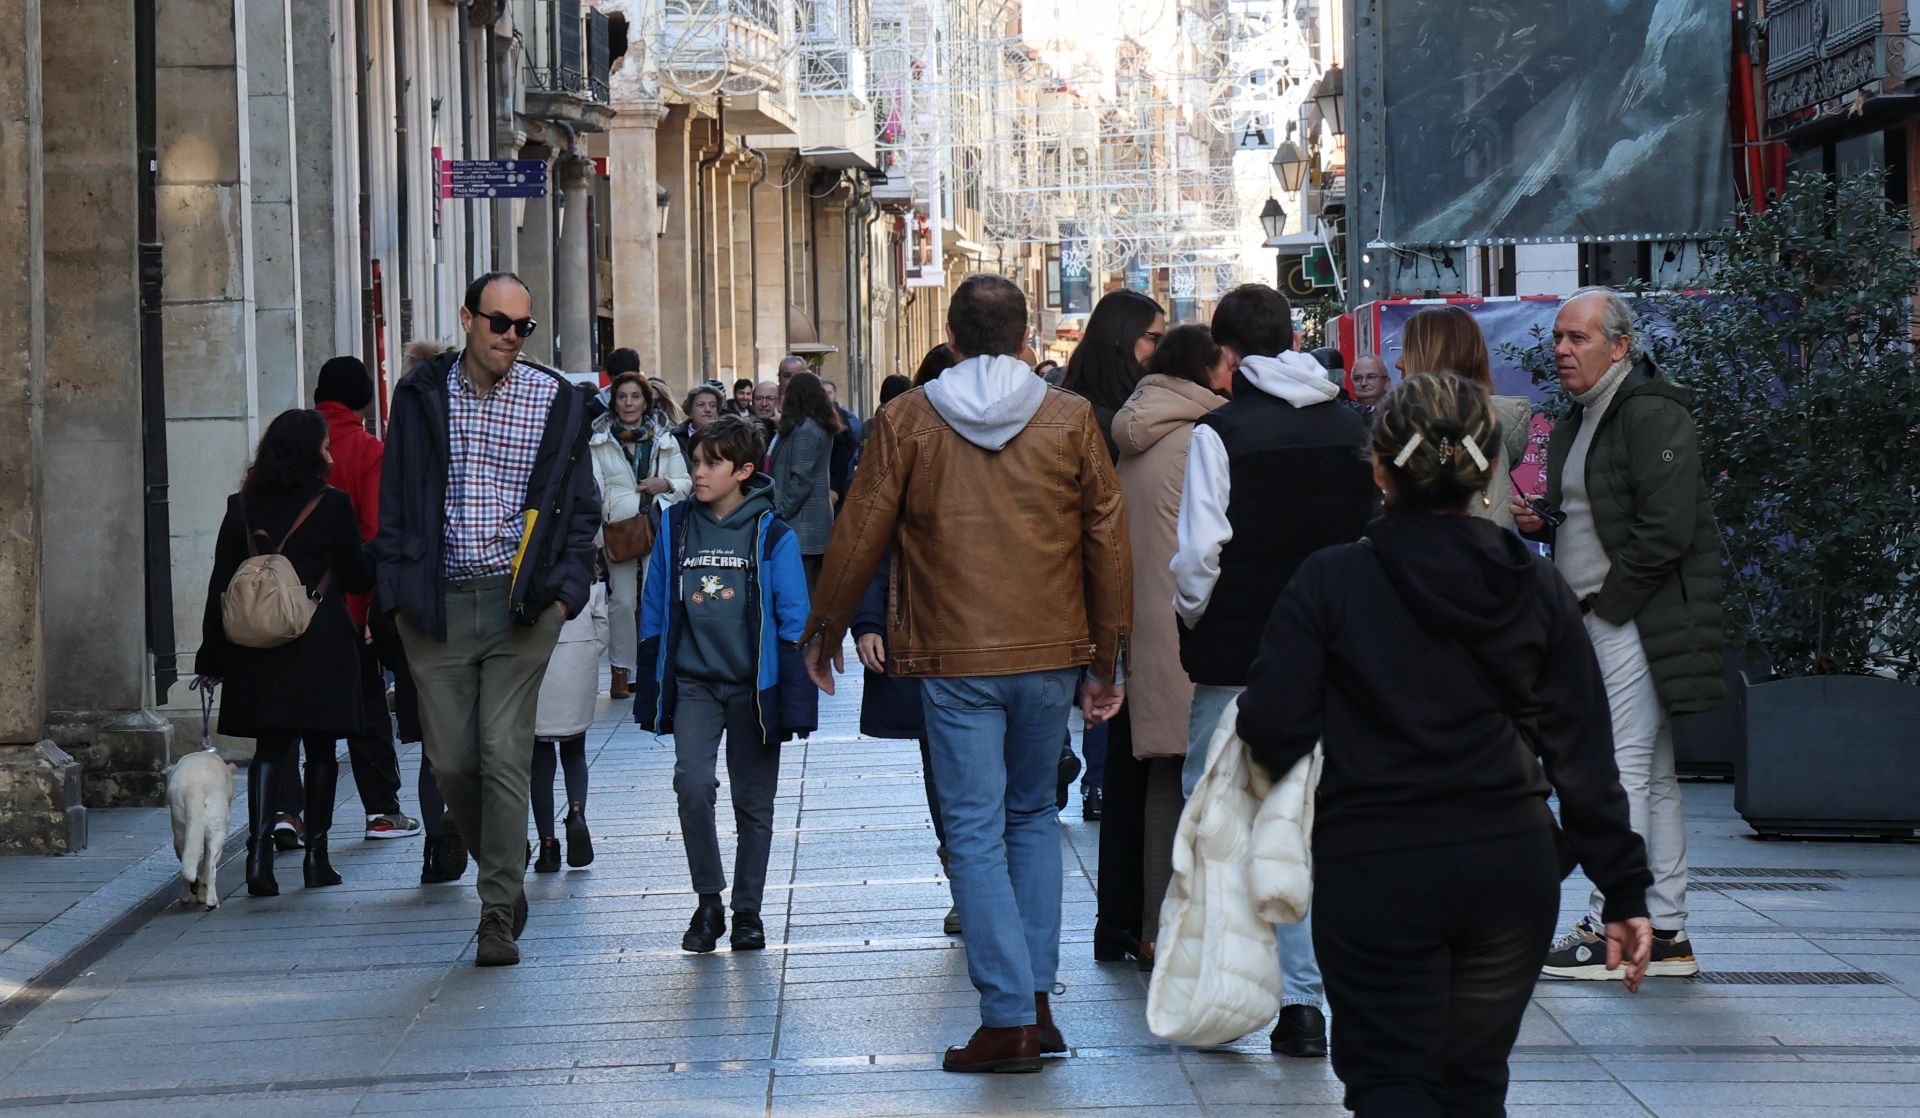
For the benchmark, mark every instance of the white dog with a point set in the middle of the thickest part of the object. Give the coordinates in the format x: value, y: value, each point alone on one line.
x: 199, y: 791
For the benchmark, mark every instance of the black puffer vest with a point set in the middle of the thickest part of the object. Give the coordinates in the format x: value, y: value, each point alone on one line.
x: 1299, y: 483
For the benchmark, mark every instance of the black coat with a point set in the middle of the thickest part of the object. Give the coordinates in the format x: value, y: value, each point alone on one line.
x: 890, y: 706
x: 310, y: 685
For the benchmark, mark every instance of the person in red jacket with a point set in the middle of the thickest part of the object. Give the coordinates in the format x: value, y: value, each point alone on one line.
x: 342, y: 393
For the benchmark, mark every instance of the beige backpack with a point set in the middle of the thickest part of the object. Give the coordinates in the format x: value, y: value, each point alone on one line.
x: 265, y: 604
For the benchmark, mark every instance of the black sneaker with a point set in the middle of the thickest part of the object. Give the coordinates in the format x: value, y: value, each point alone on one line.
x: 453, y: 849
x: 748, y: 933
x: 1301, y: 1032
x: 1069, y: 768
x: 1092, y: 805
x: 1672, y: 957
x: 432, y: 872
x: 579, y: 840
x: 549, y: 860
x: 496, y: 947
x: 288, y: 833
x: 703, y: 932
x: 1582, y: 954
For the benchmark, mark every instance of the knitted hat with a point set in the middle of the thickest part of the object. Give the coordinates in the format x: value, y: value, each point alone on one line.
x: 344, y: 381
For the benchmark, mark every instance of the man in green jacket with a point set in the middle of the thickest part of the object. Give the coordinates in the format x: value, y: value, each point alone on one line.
x: 1636, y: 541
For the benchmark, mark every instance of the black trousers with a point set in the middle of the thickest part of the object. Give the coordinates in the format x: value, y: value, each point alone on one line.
x: 1430, y: 957
x: 1123, y: 867
x: 375, y: 760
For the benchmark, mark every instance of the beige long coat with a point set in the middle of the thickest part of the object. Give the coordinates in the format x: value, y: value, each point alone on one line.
x: 1153, y: 431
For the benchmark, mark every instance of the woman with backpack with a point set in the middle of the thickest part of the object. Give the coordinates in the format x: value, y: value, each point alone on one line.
x: 290, y: 670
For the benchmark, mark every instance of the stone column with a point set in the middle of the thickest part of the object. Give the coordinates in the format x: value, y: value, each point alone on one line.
x: 327, y: 210
x: 284, y: 376
x: 204, y: 199
x: 769, y: 271
x: 96, y: 663
x: 720, y: 292
x: 832, y: 315
x: 679, y: 345
x: 633, y: 147
x: 40, y: 808
x: 535, y: 260
x: 745, y: 324
x: 22, y: 372
x: 573, y: 266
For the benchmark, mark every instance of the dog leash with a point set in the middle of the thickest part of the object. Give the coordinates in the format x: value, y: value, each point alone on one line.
x: 206, y: 712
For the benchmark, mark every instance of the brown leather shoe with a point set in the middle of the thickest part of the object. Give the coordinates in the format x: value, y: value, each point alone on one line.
x: 620, y: 690
x: 1011, y: 1049
x: 1051, y: 1042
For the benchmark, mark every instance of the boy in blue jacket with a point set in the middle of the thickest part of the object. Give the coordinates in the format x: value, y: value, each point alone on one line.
x: 725, y: 601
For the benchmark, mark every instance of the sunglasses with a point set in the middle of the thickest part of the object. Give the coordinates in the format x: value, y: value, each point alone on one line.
x: 500, y: 323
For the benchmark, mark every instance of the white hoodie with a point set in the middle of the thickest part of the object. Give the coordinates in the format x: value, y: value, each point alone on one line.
x: 1203, y: 528
x: 988, y: 400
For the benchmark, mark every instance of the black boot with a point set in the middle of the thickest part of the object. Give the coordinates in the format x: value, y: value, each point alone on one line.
x: 263, y: 777
x: 579, y: 839
x: 323, y: 779
x: 549, y: 859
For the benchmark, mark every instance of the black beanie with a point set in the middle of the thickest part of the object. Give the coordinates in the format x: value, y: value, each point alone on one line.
x: 344, y: 381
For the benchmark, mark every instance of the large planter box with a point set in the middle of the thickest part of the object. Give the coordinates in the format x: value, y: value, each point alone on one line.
x: 1830, y: 755
x: 1709, y: 744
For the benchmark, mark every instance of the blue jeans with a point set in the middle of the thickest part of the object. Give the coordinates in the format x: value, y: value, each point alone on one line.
x: 994, y: 742
x: 1299, y: 967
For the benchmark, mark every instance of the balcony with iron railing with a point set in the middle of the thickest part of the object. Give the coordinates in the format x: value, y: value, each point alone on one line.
x: 567, y: 50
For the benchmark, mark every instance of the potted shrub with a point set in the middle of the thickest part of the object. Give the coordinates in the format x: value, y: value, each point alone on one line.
x: 1806, y: 390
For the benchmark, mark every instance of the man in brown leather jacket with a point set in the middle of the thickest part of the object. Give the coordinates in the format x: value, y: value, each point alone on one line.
x: 1012, y: 573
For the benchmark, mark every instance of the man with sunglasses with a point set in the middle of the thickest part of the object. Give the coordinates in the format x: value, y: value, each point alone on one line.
x: 485, y: 548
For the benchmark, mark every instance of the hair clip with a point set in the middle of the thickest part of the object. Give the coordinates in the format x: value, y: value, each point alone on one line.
x: 1406, y: 451
x: 1473, y: 451
x: 1445, y: 450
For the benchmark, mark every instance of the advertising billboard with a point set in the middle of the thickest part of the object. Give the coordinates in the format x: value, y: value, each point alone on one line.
x: 1569, y: 120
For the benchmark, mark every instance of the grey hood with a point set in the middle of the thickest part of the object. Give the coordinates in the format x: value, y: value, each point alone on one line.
x: 988, y: 400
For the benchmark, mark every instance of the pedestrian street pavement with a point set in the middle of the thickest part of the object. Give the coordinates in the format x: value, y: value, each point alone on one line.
x: 362, y: 1000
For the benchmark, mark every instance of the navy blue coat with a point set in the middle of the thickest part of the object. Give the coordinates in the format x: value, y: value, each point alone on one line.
x: 890, y: 707
x: 562, y: 505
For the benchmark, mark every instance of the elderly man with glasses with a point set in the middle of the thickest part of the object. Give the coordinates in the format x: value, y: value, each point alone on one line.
x: 488, y: 511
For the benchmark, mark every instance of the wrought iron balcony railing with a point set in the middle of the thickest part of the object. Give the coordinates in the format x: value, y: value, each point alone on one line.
x: 567, y: 49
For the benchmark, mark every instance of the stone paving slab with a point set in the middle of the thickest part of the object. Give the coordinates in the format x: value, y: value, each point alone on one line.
x: 362, y: 999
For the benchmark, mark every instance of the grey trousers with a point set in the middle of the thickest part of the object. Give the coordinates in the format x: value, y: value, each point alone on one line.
x: 477, y: 696
x: 702, y: 712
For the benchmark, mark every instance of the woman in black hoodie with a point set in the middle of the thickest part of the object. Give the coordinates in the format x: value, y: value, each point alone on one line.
x: 1445, y: 669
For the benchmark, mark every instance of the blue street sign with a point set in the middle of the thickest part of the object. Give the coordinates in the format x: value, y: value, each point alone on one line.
x: 493, y: 178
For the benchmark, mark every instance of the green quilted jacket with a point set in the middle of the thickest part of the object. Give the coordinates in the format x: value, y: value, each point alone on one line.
x: 1649, y: 496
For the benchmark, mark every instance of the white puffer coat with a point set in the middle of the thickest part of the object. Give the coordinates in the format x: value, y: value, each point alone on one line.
x: 1242, y: 862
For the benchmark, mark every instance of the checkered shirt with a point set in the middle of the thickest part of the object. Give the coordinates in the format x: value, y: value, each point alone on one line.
x: 493, y: 441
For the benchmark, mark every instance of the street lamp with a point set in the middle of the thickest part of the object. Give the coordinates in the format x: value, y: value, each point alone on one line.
x: 661, y: 200
x: 1331, y: 99
x: 1289, y: 165
x: 1272, y: 218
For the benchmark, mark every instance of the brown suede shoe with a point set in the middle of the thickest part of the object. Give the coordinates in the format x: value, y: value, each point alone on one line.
x: 1010, y: 1049
x: 1051, y: 1042
x: 619, y: 690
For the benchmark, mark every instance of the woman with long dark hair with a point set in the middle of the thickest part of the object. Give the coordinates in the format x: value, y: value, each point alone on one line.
x: 308, y: 688
x: 801, y: 463
x: 1122, y: 333
x: 1448, y: 340
x: 1440, y: 662
x: 938, y: 360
